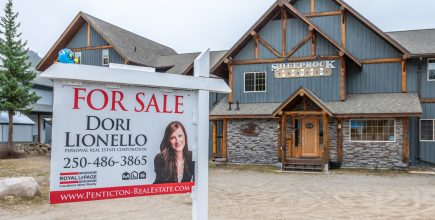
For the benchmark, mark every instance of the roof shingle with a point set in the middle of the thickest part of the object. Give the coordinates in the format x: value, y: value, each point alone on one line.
x: 418, y: 42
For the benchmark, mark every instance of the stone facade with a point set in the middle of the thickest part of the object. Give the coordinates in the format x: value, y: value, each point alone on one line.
x: 333, y: 140
x: 255, y: 147
x: 255, y: 141
x: 373, y: 154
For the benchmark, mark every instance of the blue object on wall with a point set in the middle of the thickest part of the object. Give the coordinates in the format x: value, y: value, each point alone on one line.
x: 66, y: 56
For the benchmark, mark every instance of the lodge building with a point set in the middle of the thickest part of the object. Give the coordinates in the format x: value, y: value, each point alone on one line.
x: 314, y: 83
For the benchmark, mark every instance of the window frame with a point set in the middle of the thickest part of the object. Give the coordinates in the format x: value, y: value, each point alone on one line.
x: 75, y: 56
x: 102, y: 57
x: 366, y: 141
x: 255, y: 77
x: 428, y: 70
x: 433, y: 130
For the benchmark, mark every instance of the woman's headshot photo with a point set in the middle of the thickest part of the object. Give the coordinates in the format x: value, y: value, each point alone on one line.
x: 174, y: 162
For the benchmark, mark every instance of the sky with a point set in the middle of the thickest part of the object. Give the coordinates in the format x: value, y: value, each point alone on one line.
x: 192, y: 25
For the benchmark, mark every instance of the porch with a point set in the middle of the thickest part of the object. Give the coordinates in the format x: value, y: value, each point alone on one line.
x: 304, y: 140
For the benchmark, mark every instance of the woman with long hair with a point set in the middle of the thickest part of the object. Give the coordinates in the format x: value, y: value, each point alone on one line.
x: 174, y: 162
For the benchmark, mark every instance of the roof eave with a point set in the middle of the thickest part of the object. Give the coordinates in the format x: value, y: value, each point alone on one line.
x: 239, y: 43
x: 278, y: 4
x: 43, y: 65
x: 378, y: 115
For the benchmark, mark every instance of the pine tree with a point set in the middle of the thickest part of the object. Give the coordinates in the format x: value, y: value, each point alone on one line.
x: 15, y: 76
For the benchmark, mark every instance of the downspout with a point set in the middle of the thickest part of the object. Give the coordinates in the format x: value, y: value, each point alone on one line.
x: 419, y: 73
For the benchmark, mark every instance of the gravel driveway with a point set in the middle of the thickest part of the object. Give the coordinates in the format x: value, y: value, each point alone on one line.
x: 242, y: 194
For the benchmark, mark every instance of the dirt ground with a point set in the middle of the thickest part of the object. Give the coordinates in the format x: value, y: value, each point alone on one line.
x: 241, y: 193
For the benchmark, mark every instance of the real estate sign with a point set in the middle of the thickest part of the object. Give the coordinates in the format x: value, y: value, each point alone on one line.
x: 121, y: 141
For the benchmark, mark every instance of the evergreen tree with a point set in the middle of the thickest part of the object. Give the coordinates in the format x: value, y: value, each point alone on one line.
x: 15, y: 76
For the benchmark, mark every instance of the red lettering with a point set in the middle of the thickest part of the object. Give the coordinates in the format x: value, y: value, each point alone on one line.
x: 119, y: 101
x: 77, y: 97
x: 153, y: 102
x: 178, y: 103
x: 165, y: 100
x: 105, y: 101
x: 140, y: 102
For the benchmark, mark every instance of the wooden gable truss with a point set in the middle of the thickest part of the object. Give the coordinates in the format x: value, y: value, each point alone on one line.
x: 345, y: 8
x: 68, y: 35
x: 285, y: 9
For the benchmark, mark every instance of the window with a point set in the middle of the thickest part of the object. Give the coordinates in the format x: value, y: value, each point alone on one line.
x: 372, y: 131
x: 427, y: 130
x: 105, y: 57
x: 431, y: 69
x: 78, y: 56
x: 255, y: 82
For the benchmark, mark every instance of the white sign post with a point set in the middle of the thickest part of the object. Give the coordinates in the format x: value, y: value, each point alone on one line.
x: 200, y: 195
x: 123, y: 133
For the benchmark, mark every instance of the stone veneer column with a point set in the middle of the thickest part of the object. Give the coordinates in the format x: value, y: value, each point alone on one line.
x: 333, y: 139
x: 258, y: 149
x: 373, y: 154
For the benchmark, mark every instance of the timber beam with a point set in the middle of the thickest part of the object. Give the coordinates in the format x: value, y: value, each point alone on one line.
x: 89, y: 36
x: 92, y: 48
x: 404, y: 75
x: 283, y: 138
x: 405, y: 150
x: 323, y: 14
x: 340, y: 141
x: 214, y: 138
x: 326, y: 146
x: 265, y: 44
x: 224, y: 138
x: 279, y: 60
x: 427, y: 100
x: 302, y: 113
x: 284, y: 32
x: 343, y: 79
x: 230, y: 97
x: 299, y: 45
x: 343, y: 28
x: 382, y: 60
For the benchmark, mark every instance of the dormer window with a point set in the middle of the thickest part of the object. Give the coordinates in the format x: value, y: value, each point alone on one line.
x: 431, y: 69
x: 105, y: 57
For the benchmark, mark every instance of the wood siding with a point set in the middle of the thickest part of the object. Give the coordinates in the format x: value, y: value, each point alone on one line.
x: 92, y: 57
x: 325, y: 5
x: 278, y: 90
x: 364, y: 43
x: 80, y: 39
x: 96, y: 39
x: 374, y: 78
x: 331, y: 25
x: 427, y: 149
x: 304, y: 6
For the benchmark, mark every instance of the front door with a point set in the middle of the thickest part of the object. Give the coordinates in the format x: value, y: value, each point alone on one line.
x: 310, y: 137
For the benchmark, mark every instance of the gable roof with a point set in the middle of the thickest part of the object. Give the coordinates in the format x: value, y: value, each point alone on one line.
x: 130, y: 46
x: 418, y: 42
x: 215, y: 56
x: 266, y: 17
x: 373, y: 27
x: 302, y: 91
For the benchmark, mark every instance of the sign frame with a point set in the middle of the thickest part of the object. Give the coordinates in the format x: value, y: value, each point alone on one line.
x: 200, y: 83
